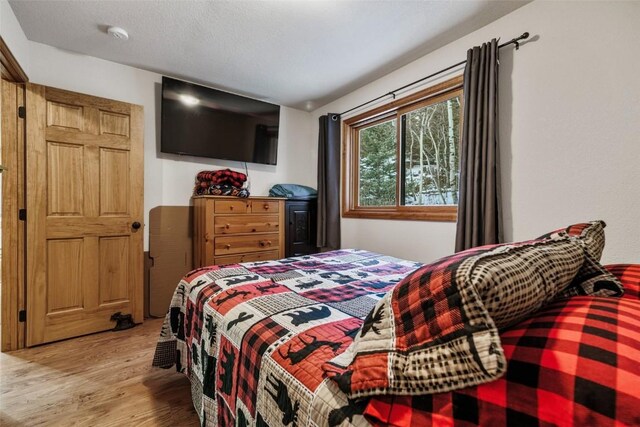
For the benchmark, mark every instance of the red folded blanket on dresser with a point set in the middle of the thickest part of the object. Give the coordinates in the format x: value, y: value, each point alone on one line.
x: 221, y: 177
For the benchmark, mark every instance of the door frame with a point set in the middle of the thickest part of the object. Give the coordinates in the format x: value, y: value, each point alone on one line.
x: 12, y: 298
x: 11, y: 69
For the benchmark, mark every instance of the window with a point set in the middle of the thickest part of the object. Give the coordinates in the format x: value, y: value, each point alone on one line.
x: 401, y: 159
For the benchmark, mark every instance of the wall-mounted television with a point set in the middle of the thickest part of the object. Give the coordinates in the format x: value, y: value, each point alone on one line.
x: 205, y: 122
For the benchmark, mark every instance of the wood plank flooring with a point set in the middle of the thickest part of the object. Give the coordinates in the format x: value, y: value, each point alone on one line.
x: 103, y: 379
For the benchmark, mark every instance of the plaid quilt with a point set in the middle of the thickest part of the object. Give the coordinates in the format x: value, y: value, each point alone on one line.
x: 253, y: 337
x: 575, y: 363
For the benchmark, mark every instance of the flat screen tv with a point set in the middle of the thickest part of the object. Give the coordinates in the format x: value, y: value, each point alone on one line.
x: 204, y: 122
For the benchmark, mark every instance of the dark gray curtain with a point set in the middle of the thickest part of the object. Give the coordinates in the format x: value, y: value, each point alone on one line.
x: 329, y: 182
x: 479, y: 216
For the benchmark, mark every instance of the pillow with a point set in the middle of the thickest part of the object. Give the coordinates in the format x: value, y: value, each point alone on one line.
x: 629, y: 276
x: 590, y: 234
x: 592, y: 278
x: 437, y: 330
x: 573, y: 363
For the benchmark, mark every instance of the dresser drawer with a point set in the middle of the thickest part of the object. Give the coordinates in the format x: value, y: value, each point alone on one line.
x: 251, y: 257
x: 239, y: 244
x: 238, y: 224
x: 259, y: 206
x: 229, y: 230
x: 231, y: 206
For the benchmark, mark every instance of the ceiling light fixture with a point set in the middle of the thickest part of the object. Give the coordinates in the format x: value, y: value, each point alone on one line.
x: 118, y: 33
x: 189, y: 100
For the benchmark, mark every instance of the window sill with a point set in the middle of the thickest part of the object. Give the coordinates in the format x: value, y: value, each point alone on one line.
x: 434, y: 213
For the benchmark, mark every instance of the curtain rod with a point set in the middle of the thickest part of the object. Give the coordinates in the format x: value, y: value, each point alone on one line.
x: 515, y: 41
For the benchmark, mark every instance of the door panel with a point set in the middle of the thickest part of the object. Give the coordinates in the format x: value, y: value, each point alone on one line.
x: 64, y: 275
x: 65, y: 177
x: 65, y: 116
x: 114, y: 269
x: 84, y: 181
x: 114, y: 182
x: 114, y: 124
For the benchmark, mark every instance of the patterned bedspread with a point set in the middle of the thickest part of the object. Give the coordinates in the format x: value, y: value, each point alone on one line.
x: 252, y: 337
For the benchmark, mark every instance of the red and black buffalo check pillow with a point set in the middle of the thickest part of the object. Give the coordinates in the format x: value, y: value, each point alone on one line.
x: 437, y: 330
x: 592, y: 278
x: 575, y: 363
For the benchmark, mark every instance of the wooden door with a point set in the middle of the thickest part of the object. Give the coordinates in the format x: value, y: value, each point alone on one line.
x: 84, y: 174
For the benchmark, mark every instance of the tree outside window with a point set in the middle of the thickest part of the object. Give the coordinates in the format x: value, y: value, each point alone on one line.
x: 378, y: 171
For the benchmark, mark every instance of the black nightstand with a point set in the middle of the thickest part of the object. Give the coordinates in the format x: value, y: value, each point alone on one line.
x: 300, y: 223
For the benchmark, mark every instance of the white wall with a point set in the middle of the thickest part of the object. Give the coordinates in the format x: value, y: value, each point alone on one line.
x: 169, y: 179
x: 13, y: 35
x: 570, y: 128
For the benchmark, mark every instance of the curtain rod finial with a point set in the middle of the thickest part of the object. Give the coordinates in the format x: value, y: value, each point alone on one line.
x: 516, y: 41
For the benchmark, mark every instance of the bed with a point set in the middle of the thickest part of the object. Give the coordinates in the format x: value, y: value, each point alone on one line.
x: 258, y: 342
x: 252, y: 337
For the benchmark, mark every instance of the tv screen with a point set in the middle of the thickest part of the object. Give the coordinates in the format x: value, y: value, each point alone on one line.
x: 204, y: 122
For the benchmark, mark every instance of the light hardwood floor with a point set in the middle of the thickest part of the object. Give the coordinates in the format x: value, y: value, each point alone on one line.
x: 104, y: 379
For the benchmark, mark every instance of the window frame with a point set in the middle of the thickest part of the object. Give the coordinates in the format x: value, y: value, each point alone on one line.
x: 351, y: 150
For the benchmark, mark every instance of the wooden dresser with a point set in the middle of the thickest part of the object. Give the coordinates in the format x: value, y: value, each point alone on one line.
x: 229, y: 230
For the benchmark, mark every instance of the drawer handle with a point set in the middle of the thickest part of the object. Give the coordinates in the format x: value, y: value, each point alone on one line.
x: 231, y: 207
x: 264, y: 243
x: 266, y: 206
x: 228, y: 246
x: 227, y: 226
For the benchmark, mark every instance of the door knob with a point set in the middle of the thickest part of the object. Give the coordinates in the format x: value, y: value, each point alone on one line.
x: 135, y: 225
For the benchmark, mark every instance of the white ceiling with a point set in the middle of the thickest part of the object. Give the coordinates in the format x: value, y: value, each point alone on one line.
x: 301, y: 54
